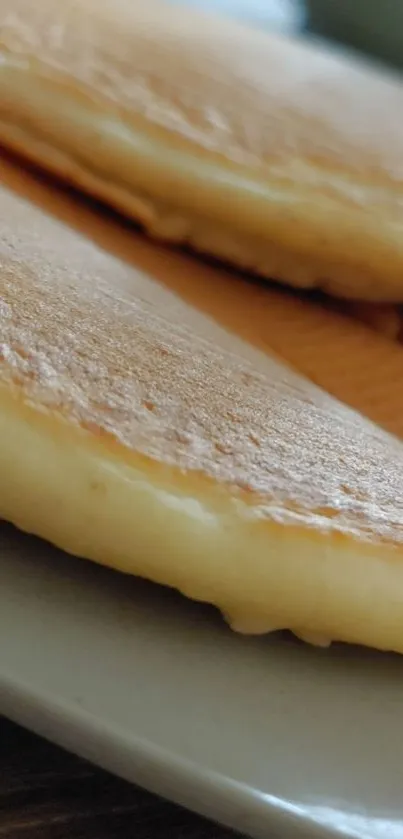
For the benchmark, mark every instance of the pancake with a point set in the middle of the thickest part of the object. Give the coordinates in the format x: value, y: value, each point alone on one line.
x: 269, y: 153
x: 143, y: 430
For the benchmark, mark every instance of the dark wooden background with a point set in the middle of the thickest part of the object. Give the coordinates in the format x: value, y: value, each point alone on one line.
x: 48, y: 794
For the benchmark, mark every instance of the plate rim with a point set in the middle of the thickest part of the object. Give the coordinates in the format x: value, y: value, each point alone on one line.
x: 140, y: 762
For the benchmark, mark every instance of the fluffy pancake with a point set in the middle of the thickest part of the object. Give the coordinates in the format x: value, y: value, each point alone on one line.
x: 137, y: 431
x: 269, y: 153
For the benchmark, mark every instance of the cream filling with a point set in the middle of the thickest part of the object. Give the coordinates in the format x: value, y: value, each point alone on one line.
x: 287, y: 229
x: 59, y: 483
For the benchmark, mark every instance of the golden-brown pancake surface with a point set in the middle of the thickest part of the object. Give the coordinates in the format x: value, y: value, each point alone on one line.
x: 138, y: 431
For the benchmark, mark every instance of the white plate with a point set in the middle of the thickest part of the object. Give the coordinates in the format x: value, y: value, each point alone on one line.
x: 265, y: 735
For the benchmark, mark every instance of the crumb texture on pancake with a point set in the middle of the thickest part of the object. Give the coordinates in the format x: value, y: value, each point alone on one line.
x: 80, y: 339
x: 296, y: 153
x: 138, y: 433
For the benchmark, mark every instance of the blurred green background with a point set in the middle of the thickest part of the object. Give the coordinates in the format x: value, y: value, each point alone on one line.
x: 371, y: 26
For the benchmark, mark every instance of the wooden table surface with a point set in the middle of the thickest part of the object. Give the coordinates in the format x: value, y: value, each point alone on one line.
x: 48, y: 794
